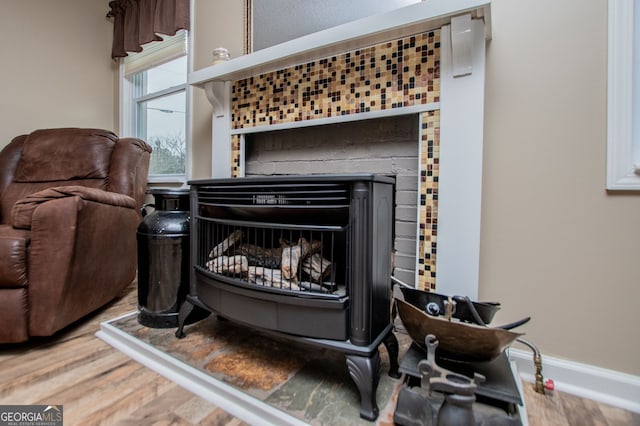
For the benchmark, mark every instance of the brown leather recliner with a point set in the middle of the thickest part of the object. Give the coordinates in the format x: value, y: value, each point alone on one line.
x: 70, y: 203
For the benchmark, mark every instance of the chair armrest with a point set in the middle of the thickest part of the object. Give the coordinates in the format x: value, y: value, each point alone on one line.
x: 82, y: 252
x: 23, y: 209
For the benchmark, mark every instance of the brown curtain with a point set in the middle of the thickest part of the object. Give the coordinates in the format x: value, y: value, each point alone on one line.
x: 137, y: 22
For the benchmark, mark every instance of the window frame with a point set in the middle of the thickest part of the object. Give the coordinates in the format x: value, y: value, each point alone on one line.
x: 129, y: 104
x: 623, y: 171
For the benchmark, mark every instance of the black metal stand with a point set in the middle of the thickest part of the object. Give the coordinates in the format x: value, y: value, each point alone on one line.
x: 186, y: 308
x: 365, y: 372
x: 434, y: 395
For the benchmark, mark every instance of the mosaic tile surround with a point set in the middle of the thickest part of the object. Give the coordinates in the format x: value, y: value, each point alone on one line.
x: 396, y: 74
x: 428, y: 204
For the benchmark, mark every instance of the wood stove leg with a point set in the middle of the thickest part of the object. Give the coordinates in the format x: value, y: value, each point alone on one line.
x: 365, y: 372
x: 185, y: 310
x: 393, y: 349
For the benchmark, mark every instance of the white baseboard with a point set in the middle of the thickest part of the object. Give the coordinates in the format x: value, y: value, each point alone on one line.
x: 587, y: 381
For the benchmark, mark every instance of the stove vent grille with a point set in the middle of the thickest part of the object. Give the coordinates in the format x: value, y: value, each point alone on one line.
x: 309, y: 195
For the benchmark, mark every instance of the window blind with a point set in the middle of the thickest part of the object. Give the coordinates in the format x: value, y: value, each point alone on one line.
x: 156, y: 53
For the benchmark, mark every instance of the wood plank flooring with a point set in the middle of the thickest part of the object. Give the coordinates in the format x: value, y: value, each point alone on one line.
x: 98, y: 385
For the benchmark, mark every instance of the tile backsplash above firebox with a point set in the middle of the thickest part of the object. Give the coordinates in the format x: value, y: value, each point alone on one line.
x: 394, y: 74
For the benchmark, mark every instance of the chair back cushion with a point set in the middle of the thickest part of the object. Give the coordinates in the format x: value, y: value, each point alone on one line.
x: 52, y: 155
x: 72, y: 156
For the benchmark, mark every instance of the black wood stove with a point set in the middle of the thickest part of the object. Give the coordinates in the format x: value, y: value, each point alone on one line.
x: 306, y: 257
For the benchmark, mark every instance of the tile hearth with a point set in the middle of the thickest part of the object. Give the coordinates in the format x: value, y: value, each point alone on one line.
x: 253, y: 376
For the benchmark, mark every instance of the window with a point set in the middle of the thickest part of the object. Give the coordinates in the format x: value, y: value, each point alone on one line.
x: 160, y: 114
x: 154, y: 105
x: 623, y: 104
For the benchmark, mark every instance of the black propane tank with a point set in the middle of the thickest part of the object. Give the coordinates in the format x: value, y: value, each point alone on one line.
x: 163, y: 258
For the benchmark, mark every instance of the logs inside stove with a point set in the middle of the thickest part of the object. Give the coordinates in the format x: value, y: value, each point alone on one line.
x: 307, y: 257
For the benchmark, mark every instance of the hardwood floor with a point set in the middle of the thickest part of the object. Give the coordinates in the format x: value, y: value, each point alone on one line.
x: 98, y: 385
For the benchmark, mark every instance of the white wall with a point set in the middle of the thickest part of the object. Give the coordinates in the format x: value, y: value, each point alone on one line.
x: 217, y: 23
x: 56, y: 66
x: 555, y: 245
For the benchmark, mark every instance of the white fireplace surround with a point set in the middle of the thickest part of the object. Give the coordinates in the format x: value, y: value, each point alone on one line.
x: 466, y: 27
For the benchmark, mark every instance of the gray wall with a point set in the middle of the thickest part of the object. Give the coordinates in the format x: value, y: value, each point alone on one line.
x: 277, y: 21
x: 386, y: 146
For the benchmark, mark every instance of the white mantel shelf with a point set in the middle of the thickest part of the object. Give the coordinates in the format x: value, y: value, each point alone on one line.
x: 414, y: 19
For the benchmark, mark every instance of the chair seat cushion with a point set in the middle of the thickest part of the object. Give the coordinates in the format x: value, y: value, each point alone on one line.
x: 13, y: 257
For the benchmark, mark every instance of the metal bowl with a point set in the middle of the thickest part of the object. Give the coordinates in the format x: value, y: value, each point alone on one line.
x: 458, y: 341
x: 421, y: 299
